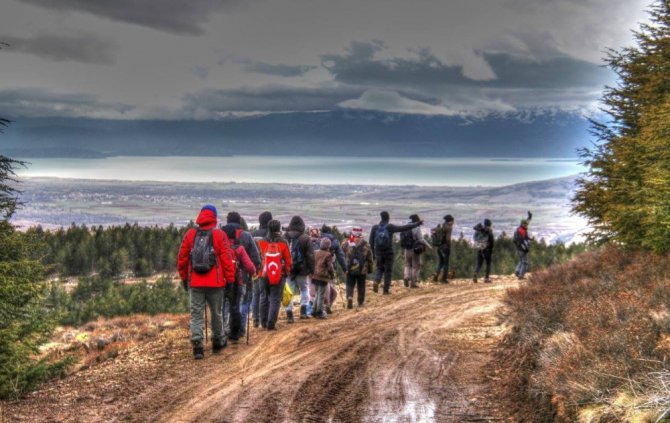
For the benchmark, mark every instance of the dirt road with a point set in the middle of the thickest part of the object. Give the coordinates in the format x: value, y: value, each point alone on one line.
x: 418, y: 355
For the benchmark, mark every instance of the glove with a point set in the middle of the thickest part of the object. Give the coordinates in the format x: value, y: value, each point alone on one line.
x: 530, y: 215
x: 184, y: 284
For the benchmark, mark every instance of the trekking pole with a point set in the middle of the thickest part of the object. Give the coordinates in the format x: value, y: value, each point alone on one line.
x: 248, y: 323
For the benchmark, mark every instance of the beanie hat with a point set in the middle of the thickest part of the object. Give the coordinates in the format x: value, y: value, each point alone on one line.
x: 357, y: 231
x: 274, y: 226
x: 385, y: 215
x: 414, y: 218
x: 233, y: 217
x: 264, y: 218
x: 449, y: 218
x: 324, y: 244
x: 524, y: 222
x: 325, y: 229
x: 210, y: 208
x: 243, y: 224
x: 488, y: 223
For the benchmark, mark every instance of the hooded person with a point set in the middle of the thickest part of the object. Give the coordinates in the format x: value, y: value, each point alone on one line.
x: 260, y: 233
x: 324, y: 271
x: 236, y: 301
x: 302, y: 265
x: 484, y: 241
x: 338, y: 254
x: 413, y: 250
x: 443, y: 245
x: 205, y: 263
x: 276, y: 258
x: 359, y: 263
x: 381, y: 241
x: 522, y: 242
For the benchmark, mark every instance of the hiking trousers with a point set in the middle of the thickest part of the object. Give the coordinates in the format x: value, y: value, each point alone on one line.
x: 245, y: 305
x: 232, y: 318
x: 484, y: 256
x: 522, y: 267
x: 255, y: 300
x: 443, y: 253
x: 321, y: 288
x: 357, y: 281
x: 270, y: 302
x: 297, y: 284
x: 412, y: 266
x: 200, y: 298
x: 384, y: 267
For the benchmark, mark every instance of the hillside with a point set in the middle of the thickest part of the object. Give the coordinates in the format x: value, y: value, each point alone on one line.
x: 418, y: 355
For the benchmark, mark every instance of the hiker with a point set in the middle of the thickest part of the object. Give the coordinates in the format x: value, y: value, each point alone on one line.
x: 381, y: 241
x: 522, y: 243
x: 324, y: 271
x: 359, y: 263
x: 483, y: 238
x: 338, y: 257
x: 302, y: 265
x: 245, y: 302
x: 205, y: 263
x: 259, y: 234
x: 248, y: 261
x: 276, y: 258
x: 441, y: 239
x: 414, y: 245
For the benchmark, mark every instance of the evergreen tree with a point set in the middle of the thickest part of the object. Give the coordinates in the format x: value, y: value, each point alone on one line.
x: 625, y: 192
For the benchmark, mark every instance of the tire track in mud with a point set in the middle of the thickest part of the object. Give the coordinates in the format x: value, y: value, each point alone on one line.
x: 415, y: 356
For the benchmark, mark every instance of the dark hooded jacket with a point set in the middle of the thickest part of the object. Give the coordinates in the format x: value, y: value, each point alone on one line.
x: 335, y: 248
x: 262, y: 230
x: 296, y: 233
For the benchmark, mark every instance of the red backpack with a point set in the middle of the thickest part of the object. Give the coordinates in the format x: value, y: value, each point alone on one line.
x: 272, y: 263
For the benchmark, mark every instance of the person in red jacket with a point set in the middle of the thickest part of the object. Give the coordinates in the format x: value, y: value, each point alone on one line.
x: 276, y: 265
x: 205, y: 263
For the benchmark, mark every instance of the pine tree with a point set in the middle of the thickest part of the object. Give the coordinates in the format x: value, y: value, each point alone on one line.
x: 625, y: 192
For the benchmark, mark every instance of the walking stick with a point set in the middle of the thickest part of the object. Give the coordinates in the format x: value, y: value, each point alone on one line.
x: 248, y: 323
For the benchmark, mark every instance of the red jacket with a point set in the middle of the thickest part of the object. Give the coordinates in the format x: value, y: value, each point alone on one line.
x: 283, y: 249
x: 219, y: 275
x: 244, y: 262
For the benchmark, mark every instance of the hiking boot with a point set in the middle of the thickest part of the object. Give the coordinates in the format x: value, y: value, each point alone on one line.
x: 322, y: 315
x: 198, y: 351
x: 375, y: 286
x: 487, y: 280
x: 406, y: 282
x: 444, y: 280
x: 303, y: 312
x: 474, y: 279
x: 387, y: 292
x: 350, y: 303
x: 218, y: 345
x: 256, y: 323
x: 436, y: 277
x: 289, y: 316
x: 414, y: 286
x: 329, y: 310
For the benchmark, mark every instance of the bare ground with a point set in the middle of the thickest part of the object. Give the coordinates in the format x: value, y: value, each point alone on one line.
x: 418, y: 355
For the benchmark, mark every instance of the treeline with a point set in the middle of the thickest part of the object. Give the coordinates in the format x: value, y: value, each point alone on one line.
x: 133, y: 250
x: 109, y: 252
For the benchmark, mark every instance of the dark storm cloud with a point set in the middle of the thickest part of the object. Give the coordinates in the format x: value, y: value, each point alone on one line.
x: 175, y: 16
x: 269, y: 99
x: 275, y: 69
x: 83, y: 48
x: 34, y: 102
x: 358, y: 66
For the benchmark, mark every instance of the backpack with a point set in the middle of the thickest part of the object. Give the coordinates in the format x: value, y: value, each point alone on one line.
x: 437, y: 236
x: 382, y: 237
x: 203, y: 256
x: 234, y: 244
x: 297, y: 258
x: 407, y: 239
x: 272, y: 263
x: 356, y: 261
x: 481, y: 239
x: 517, y: 238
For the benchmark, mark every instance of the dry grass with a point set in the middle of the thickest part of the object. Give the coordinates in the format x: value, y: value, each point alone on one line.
x: 590, y: 339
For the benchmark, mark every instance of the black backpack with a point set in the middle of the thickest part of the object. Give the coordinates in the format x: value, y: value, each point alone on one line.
x: 407, y: 240
x: 297, y: 257
x: 382, y: 237
x: 203, y: 257
x: 356, y: 261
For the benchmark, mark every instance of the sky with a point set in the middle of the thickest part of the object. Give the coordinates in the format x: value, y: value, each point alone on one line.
x: 213, y: 59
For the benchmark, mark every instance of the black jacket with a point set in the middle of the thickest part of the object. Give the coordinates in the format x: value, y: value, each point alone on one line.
x: 296, y: 231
